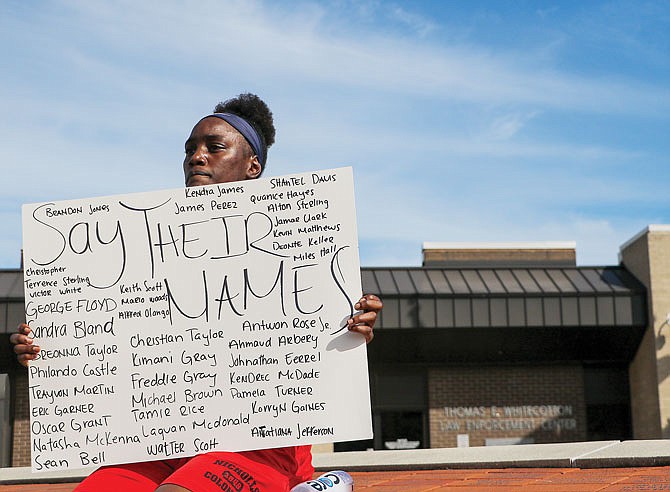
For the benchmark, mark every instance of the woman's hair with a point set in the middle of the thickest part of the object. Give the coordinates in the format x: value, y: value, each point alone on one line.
x: 255, y: 111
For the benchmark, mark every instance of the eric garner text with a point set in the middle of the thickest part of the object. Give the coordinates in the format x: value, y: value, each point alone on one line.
x: 178, y: 322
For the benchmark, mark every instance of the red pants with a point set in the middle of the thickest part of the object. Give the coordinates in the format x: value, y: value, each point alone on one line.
x: 215, y: 472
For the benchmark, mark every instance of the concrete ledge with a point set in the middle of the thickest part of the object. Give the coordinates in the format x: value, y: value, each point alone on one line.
x: 628, y: 453
x: 600, y: 454
x: 561, y: 455
x: 18, y: 475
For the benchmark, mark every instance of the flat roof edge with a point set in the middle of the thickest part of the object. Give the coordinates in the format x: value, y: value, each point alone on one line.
x: 649, y: 228
x: 501, y: 245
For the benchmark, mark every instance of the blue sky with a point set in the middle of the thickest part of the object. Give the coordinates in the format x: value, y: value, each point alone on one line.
x: 463, y: 121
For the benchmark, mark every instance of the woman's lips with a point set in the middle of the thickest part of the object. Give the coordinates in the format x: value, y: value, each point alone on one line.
x: 195, y: 175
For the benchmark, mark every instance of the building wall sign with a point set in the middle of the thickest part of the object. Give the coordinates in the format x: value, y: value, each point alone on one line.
x: 520, y: 403
x: 498, y: 418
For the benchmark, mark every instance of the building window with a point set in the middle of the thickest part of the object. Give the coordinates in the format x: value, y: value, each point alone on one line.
x: 607, y: 401
x: 402, y: 430
x: 608, y: 422
x: 399, y: 410
x: 5, y: 427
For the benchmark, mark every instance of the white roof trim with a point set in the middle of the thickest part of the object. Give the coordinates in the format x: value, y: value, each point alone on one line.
x: 505, y: 245
x: 649, y: 228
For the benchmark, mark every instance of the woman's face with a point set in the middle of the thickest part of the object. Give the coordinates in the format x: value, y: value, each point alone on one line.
x: 217, y: 153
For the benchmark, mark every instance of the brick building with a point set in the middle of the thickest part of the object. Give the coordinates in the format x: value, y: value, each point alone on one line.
x: 485, y: 344
x: 513, y: 343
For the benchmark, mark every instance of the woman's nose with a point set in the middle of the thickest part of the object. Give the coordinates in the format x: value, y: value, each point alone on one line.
x: 199, y: 156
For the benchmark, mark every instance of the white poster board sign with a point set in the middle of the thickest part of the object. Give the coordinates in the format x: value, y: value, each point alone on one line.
x: 183, y: 321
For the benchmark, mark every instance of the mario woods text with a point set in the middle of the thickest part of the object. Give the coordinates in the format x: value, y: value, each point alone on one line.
x: 177, y: 322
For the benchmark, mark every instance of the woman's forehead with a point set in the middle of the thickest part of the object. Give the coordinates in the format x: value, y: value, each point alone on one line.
x: 212, y: 126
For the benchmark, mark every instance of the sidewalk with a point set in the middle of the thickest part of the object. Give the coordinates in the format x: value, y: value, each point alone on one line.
x: 589, y: 466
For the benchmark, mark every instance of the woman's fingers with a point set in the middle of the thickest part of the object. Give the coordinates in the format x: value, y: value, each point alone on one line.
x: 24, y: 348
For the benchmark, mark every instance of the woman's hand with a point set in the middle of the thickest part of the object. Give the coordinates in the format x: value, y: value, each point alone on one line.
x: 364, y: 323
x: 23, y: 345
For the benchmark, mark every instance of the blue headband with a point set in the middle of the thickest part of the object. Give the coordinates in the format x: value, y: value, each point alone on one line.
x: 248, y: 132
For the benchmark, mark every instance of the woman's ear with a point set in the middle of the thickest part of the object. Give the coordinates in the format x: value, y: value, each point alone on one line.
x: 254, y: 168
